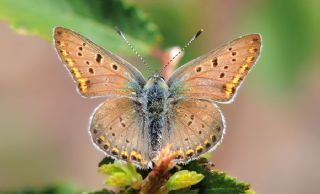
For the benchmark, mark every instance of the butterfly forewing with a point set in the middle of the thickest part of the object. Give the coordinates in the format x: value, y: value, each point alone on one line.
x: 193, y: 127
x: 96, y: 71
x: 117, y: 128
x: 218, y: 74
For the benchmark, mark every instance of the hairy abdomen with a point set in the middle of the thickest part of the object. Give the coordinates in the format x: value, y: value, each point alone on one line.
x: 155, y: 113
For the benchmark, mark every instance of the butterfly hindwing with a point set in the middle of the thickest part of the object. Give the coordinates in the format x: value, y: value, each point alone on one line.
x: 96, y: 71
x: 218, y: 74
x: 193, y: 127
x: 117, y: 129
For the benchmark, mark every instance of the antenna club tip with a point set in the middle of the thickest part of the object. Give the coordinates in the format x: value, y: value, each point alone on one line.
x: 198, y: 33
x: 118, y: 30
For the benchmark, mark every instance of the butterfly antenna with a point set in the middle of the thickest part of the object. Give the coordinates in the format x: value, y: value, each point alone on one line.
x: 132, y: 48
x: 183, y: 48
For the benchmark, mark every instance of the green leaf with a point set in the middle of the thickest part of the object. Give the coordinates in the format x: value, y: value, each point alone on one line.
x: 118, y: 179
x: 184, y: 191
x: 94, y: 19
x: 104, y: 191
x: 215, y: 182
x: 107, y: 160
x: 183, y: 179
x: 110, y: 169
x: 121, y: 175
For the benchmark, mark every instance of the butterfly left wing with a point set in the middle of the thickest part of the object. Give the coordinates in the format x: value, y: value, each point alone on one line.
x: 218, y: 74
x: 192, y: 127
x: 117, y: 128
x: 96, y: 71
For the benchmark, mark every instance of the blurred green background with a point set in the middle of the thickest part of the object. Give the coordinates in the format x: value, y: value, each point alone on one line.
x: 273, y: 135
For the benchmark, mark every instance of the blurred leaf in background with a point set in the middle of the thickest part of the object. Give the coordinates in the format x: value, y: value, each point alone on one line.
x: 289, y: 28
x: 94, y: 19
x: 290, y: 31
x: 178, y: 22
x: 57, y: 189
x: 290, y: 34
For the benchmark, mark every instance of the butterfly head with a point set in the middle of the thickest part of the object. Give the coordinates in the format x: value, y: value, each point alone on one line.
x: 156, y: 80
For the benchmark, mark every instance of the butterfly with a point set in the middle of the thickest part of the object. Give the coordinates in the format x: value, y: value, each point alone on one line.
x: 140, y: 117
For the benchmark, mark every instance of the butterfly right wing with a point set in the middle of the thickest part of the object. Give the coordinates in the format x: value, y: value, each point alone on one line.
x: 193, y: 127
x: 96, y: 71
x: 218, y: 74
x: 118, y: 129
